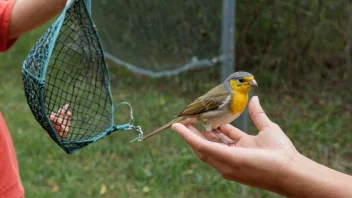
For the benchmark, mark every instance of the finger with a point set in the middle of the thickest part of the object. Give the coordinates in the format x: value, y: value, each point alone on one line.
x: 69, y: 113
x: 195, y: 140
x: 52, y: 117
x: 59, y: 112
x: 232, y: 132
x: 205, y: 157
x: 194, y: 129
x: 66, y: 106
x: 64, y: 121
x: 200, y: 146
x: 211, y: 136
x: 219, y: 165
x: 67, y: 122
x: 258, y: 115
x: 62, y: 134
x: 68, y: 125
x: 55, y: 120
x: 59, y: 120
x: 62, y: 128
x: 56, y: 126
x: 221, y: 152
x: 191, y: 138
x: 64, y: 110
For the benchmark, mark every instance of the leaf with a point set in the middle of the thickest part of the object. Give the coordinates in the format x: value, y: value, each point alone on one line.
x: 103, y: 189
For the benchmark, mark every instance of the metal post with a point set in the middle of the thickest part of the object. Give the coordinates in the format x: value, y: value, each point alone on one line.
x: 228, y: 52
x: 227, y: 40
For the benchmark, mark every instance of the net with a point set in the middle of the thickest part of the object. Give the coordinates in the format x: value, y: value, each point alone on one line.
x: 160, y: 38
x: 66, y: 82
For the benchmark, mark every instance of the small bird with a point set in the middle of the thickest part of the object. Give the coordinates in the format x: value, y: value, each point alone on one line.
x: 219, y: 106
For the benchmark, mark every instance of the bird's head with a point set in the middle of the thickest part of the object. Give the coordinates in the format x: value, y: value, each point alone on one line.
x: 240, y: 82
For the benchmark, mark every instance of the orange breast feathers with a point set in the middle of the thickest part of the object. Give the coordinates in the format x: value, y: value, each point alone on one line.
x: 240, y: 92
x: 239, y: 102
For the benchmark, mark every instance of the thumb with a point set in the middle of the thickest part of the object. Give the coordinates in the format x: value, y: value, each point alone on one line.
x: 258, y: 115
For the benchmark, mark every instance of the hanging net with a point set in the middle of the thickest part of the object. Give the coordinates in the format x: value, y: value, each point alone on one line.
x: 66, y: 82
x: 160, y: 38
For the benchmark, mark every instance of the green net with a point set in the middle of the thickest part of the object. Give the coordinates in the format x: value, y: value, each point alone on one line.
x: 66, y: 82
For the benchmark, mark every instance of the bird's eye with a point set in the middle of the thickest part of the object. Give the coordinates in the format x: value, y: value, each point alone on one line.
x: 241, y: 80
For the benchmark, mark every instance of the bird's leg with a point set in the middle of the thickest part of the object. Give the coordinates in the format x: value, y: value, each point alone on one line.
x: 209, y: 128
x: 217, y: 135
x: 220, y: 139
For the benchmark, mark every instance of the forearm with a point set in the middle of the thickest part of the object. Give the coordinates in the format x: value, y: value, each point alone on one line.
x: 306, y: 178
x: 29, y: 14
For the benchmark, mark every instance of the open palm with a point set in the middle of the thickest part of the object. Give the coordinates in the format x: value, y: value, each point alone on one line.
x: 248, y: 159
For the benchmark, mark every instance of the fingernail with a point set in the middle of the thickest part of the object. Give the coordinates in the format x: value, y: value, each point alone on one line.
x: 172, y: 127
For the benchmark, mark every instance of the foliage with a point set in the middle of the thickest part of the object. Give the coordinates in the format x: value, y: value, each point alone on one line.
x: 297, y: 40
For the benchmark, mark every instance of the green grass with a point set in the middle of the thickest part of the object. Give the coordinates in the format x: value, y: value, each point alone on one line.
x: 318, y: 123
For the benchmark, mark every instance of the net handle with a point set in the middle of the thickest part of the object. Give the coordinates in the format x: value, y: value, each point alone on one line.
x: 130, y: 125
x: 89, y: 6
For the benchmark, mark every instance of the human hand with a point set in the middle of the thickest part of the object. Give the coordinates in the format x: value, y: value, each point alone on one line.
x: 61, y: 121
x: 258, y: 161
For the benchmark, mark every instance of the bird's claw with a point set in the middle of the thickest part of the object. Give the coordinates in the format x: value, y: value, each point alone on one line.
x: 218, y: 136
x: 223, y: 142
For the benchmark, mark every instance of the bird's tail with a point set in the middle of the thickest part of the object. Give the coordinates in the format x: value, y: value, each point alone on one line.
x: 163, y: 127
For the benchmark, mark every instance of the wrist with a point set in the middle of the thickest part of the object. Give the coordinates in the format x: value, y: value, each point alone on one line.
x: 306, y: 178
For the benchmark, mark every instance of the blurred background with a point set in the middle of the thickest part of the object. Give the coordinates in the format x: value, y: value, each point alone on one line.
x: 299, y: 51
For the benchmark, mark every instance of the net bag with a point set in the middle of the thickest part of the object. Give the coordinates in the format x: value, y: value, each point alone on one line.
x: 67, y: 84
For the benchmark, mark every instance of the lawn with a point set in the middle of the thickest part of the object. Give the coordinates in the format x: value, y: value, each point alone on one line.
x: 317, y: 119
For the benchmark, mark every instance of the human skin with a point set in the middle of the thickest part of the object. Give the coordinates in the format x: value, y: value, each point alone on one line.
x: 61, y: 120
x: 29, y: 14
x: 267, y: 160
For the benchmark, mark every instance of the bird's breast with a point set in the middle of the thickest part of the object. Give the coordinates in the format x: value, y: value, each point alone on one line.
x: 217, y: 118
x: 238, y: 103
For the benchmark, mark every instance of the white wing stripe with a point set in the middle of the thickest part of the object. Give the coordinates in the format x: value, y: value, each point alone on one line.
x: 226, y: 102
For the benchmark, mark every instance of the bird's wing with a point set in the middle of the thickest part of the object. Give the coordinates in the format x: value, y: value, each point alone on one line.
x: 209, y: 101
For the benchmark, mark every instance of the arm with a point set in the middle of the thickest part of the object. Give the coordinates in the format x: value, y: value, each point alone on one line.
x: 306, y: 178
x: 268, y: 160
x: 29, y: 14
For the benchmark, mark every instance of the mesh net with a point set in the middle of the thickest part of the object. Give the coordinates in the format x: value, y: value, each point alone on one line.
x: 66, y: 82
x: 159, y: 38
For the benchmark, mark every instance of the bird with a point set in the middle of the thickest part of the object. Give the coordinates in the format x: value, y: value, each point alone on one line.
x: 219, y: 106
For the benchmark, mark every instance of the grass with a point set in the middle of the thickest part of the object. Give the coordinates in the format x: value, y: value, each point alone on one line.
x: 318, y: 123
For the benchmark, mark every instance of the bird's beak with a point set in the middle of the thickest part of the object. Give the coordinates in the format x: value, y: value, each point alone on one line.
x: 253, y: 83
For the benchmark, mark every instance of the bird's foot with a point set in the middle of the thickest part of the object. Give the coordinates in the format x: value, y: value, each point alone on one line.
x: 221, y: 140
